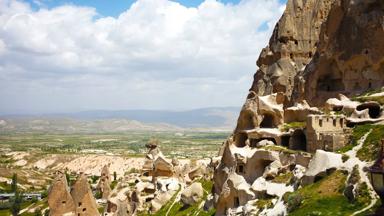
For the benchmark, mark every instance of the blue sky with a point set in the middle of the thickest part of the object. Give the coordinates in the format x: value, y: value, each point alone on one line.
x: 156, y: 55
x: 112, y: 7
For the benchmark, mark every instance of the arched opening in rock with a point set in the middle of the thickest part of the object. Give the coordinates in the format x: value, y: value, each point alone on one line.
x: 240, y: 169
x: 298, y: 140
x: 374, y: 109
x: 330, y: 84
x: 253, y: 142
x: 236, y: 202
x: 268, y: 121
x: 240, y: 139
x: 285, y: 140
x: 310, y: 54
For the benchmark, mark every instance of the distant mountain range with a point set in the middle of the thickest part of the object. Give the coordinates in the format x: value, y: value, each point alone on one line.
x: 216, y: 118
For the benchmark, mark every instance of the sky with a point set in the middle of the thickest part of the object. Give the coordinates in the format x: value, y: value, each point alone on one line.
x: 68, y: 56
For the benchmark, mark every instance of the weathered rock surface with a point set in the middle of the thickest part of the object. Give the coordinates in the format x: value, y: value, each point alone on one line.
x: 192, y: 194
x: 59, y: 199
x: 104, y: 183
x: 83, y: 197
x: 350, y: 54
x: 291, y: 47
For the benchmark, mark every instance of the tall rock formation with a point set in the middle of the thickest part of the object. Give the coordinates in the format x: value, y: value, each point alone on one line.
x: 350, y: 55
x: 59, y: 199
x: 291, y: 46
x: 104, y: 183
x: 83, y: 197
x: 318, y: 49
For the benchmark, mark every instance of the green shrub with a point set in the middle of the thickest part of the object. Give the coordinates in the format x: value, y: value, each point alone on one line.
x: 294, y: 201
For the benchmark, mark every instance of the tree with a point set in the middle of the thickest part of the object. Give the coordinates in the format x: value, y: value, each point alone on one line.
x: 14, y: 183
x: 16, y: 203
x: 68, y: 177
x: 114, y: 176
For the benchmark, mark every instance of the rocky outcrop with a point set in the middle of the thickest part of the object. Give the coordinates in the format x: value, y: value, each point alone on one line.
x: 192, y: 194
x: 350, y: 55
x: 59, y: 199
x: 104, y: 183
x: 291, y: 47
x: 83, y: 197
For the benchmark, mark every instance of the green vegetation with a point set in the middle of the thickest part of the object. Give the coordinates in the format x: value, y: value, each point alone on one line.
x: 132, y: 144
x: 177, y: 209
x: 367, y: 96
x: 372, y: 145
x: 294, y: 125
x: 344, y: 157
x: 325, y: 197
x: 358, y: 132
x: 280, y: 149
x: 113, y: 184
x: 283, y: 178
x: 264, y: 203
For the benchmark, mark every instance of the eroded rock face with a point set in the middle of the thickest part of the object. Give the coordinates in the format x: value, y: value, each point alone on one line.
x: 192, y: 194
x: 104, y: 183
x: 83, y: 197
x: 350, y: 55
x: 59, y: 199
x: 291, y: 46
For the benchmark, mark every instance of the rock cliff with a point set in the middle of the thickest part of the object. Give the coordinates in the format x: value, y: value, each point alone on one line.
x: 350, y: 55
x: 291, y: 47
x: 319, y: 50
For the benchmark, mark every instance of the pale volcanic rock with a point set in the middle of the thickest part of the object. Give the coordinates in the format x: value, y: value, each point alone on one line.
x: 92, y: 164
x: 104, y: 183
x: 60, y: 200
x: 83, y: 198
x: 342, y: 102
x: 192, y: 194
x: 350, y: 54
x: 291, y: 46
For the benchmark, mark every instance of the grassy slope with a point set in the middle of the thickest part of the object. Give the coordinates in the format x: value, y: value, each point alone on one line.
x: 371, y: 146
x: 179, y: 210
x: 325, y: 197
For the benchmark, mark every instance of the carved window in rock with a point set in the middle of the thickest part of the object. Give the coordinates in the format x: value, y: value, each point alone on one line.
x: 334, y: 122
x: 321, y: 122
x: 341, y: 123
x: 236, y: 202
x: 240, y: 168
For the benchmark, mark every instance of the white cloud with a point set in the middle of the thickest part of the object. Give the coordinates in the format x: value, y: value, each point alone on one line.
x: 158, y: 54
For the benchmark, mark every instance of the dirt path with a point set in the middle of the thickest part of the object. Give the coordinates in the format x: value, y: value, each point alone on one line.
x: 177, y: 198
x: 354, y: 160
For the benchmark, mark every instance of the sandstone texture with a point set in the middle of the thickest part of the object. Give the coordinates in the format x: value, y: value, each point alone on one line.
x: 59, y: 199
x: 291, y: 46
x: 349, y: 57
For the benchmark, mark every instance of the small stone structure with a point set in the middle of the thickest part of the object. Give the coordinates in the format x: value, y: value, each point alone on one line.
x: 325, y: 132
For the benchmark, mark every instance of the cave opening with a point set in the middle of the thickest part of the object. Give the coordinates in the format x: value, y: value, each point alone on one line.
x: 329, y: 84
x: 298, y: 140
x: 267, y: 121
x: 241, y: 139
x: 285, y: 140
x: 374, y: 109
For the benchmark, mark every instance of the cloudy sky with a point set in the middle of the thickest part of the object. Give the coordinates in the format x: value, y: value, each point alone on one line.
x: 65, y: 56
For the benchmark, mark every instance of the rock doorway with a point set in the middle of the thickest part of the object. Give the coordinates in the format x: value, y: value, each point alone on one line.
x: 285, y: 140
x: 374, y: 109
x: 241, y: 139
x: 298, y: 140
x: 268, y: 121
